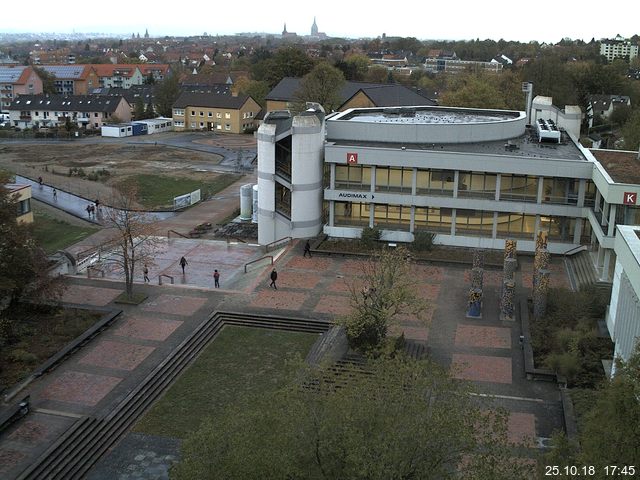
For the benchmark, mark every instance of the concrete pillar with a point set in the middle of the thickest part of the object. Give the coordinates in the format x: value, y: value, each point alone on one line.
x: 498, y: 180
x: 414, y: 184
x: 453, y: 222
x: 612, y: 220
x: 578, y: 233
x: 582, y: 190
x: 412, y: 219
x: 332, y: 213
x: 456, y: 179
x: 494, y: 229
x: 596, y: 207
x: 604, y: 274
x: 540, y: 189
x: 332, y: 176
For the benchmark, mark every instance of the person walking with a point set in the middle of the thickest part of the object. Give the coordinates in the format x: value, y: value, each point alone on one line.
x: 216, y: 279
x: 88, y: 209
x: 273, y: 277
x: 55, y: 194
x: 145, y: 270
x: 183, y: 263
x: 40, y: 181
x: 307, y: 249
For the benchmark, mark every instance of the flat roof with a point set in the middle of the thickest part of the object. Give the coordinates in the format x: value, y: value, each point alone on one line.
x: 525, y: 146
x: 622, y: 166
x: 427, y: 115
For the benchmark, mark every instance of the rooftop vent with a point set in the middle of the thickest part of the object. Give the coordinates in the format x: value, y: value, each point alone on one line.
x: 547, y: 131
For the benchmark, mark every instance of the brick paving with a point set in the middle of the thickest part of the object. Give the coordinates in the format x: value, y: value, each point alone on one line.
x: 521, y: 428
x: 278, y: 299
x: 293, y: 279
x: 9, y: 458
x: 174, y: 304
x: 333, y: 304
x: 147, y: 328
x: 491, y: 278
x: 317, y: 264
x: 30, y: 431
x: 79, y: 387
x: 117, y: 355
x: 479, y: 336
x: 87, y: 295
x: 482, y: 368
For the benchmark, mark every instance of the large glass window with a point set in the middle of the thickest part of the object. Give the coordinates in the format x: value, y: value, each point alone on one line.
x: 283, y: 158
x: 283, y: 200
x: 24, y: 206
x: 395, y: 217
x: 522, y: 188
x: 560, y: 190
x: 435, y: 182
x: 433, y: 219
x: 516, y: 225
x: 474, y: 222
x: 477, y: 184
x: 590, y: 194
x: 559, y: 228
x: 353, y: 177
x: 351, y: 214
x: 631, y: 215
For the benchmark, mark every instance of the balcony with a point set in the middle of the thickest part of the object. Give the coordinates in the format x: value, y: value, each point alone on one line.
x: 25, y: 118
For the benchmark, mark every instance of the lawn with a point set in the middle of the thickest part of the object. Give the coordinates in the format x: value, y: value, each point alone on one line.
x: 53, y: 234
x: 157, y: 191
x: 39, y: 332
x: 241, y: 362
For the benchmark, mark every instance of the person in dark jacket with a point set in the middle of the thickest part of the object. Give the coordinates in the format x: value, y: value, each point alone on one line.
x: 183, y: 263
x: 273, y: 277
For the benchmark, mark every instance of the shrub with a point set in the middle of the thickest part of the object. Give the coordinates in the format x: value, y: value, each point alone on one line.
x: 422, y: 241
x: 22, y: 356
x: 370, y: 236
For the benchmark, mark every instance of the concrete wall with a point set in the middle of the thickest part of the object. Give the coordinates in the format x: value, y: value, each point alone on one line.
x: 569, y: 119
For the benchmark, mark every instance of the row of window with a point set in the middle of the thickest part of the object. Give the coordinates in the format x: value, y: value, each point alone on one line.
x: 209, y: 125
x: 470, y: 184
x: 467, y: 222
x: 180, y: 113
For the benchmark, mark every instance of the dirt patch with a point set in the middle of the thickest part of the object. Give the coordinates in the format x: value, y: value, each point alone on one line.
x: 66, y: 166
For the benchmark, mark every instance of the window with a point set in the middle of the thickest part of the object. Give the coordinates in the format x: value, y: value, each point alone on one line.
x: 350, y: 177
x: 24, y: 207
x: 201, y: 124
x: 433, y: 219
x: 193, y: 124
x: 435, y: 182
x: 202, y: 114
x: 516, y: 225
x: 474, y: 222
x: 559, y: 228
x: 349, y: 214
x: 477, y: 185
x: 227, y: 127
x: 209, y: 114
x: 193, y: 112
x: 522, y: 188
x: 283, y: 200
x: 178, y: 112
x: 95, y: 114
x: 179, y: 123
x: 227, y: 115
x: 396, y: 217
x: 561, y: 190
x: 218, y: 115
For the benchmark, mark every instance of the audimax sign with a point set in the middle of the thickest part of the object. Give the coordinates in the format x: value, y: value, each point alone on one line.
x: 360, y: 196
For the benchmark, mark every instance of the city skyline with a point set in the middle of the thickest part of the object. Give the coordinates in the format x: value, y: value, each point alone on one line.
x: 495, y: 19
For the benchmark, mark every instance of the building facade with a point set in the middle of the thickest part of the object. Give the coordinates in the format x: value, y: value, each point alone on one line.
x: 73, y: 79
x: 214, y: 112
x: 618, y: 48
x: 22, y: 195
x: 15, y: 81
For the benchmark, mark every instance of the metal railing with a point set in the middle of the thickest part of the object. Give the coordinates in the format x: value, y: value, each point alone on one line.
x: 277, y: 242
x: 573, y: 250
x: 89, y: 269
x: 164, y: 275
x: 177, y: 233
x: 257, y: 260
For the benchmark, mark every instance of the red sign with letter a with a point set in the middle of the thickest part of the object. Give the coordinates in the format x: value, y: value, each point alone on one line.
x: 352, y: 158
x: 630, y: 198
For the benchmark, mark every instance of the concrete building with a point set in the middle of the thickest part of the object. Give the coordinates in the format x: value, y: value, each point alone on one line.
x: 473, y: 177
x: 623, y: 316
x: 618, y: 47
x: 569, y: 118
x: 214, y: 112
x: 15, y: 81
x: 73, y: 79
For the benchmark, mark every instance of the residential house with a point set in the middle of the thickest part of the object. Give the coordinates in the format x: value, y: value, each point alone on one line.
x: 352, y: 95
x: 17, y: 80
x: 22, y: 195
x: 157, y: 70
x: 85, y: 111
x: 210, y: 111
x: 119, y: 75
x: 604, y: 105
x: 73, y: 79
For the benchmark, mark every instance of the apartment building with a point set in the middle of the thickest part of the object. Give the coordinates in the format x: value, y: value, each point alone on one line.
x: 17, y: 80
x: 214, y: 112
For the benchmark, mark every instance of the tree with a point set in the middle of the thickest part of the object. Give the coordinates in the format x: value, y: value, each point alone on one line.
x: 631, y: 131
x: 376, y: 74
x: 387, y: 290
x: 355, y: 67
x: 167, y: 93
x: 287, y: 62
x: 322, y: 85
x: 255, y: 89
x: 138, y: 109
x: 48, y: 80
x: 149, y: 112
x: 133, y: 242
x: 394, y: 419
x: 24, y: 265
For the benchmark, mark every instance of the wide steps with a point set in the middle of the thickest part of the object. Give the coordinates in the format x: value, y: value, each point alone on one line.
x: 73, y: 455
x: 582, y: 270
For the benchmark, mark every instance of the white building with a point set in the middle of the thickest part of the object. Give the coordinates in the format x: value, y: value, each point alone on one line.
x: 623, y: 316
x: 618, y: 48
x: 157, y: 125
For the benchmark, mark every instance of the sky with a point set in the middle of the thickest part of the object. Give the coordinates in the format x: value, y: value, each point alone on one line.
x: 544, y: 21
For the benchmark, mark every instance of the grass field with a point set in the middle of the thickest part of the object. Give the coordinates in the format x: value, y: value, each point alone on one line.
x: 53, y: 234
x: 158, y: 191
x: 239, y: 363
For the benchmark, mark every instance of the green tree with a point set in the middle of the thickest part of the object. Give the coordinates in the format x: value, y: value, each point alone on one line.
x: 473, y: 90
x: 387, y: 290
x: 631, y: 131
x: 24, y: 265
x: 257, y: 90
x: 287, y: 62
x: 377, y: 74
x: 48, y: 80
x: 149, y: 112
x: 167, y: 93
x: 322, y: 85
x: 355, y: 67
x: 138, y: 109
x: 399, y: 419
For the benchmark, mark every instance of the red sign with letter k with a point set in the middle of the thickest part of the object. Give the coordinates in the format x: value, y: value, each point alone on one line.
x: 630, y: 198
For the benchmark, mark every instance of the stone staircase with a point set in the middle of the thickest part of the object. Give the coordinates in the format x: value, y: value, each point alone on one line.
x: 582, y: 273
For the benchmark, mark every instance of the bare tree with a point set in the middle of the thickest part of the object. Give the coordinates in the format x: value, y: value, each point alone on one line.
x: 134, y: 241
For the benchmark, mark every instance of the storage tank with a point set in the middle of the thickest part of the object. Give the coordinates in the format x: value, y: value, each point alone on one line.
x: 254, y: 215
x: 246, y: 201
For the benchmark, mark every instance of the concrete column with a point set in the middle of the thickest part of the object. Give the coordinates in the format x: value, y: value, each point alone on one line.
x: 494, y: 229
x: 540, y: 189
x: 373, y: 179
x: 604, y: 275
x: 414, y: 186
x: 456, y: 178
x: 596, y: 207
x: 498, y: 180
x: 605, y: 214
x: 371, y: 214
x: 536, y: 227
x: 332, y: 177
x: 582, y: 190
x: 578, y: 233
x: 332, y: 213
x: 412, y: 218
x: 612, y: 220
x: 453, y: 220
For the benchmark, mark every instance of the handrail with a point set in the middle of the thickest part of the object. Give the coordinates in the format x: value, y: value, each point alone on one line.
x: 164, y: 275
x: 266, y: 247
x: 254, y: 261
x: 96, y: 269
x: 574, y: 250
x: 177, y: 233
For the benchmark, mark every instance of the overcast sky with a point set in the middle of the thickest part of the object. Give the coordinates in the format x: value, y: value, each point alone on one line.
x: 545, y: 21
